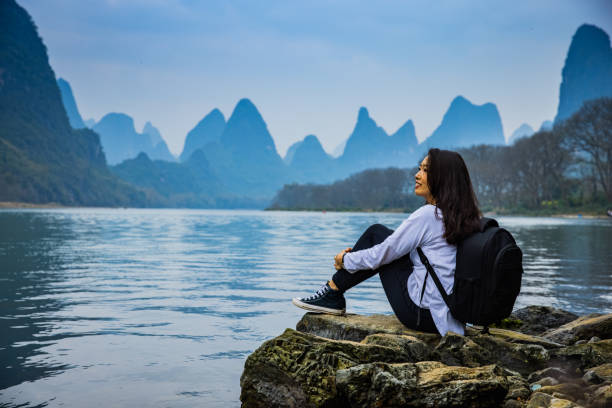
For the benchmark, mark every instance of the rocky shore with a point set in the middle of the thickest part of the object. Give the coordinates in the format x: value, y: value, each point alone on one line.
x: 540, y: 357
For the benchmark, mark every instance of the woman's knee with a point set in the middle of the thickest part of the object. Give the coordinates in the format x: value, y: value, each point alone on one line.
x: 378, y: 229
x: 378, y: 233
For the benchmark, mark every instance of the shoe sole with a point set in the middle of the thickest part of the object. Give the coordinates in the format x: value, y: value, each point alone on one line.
x: 319, y: 309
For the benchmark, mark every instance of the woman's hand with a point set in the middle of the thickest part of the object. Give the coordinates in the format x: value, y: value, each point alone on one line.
x: 338, y: 258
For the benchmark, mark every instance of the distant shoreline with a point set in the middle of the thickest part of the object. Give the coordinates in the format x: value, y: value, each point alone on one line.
x: 586, y: 215
x: 14, y: 204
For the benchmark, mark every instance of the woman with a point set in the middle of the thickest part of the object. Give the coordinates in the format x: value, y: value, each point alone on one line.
x: 451, y: 213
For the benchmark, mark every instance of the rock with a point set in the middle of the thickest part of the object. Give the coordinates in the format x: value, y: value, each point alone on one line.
x: 583, y: 328
x: 571, y: 391
x: 582, y: 356
x: 546, y: 381
x: 537, y: 319
x: 515, y: 337
x: 413, y: 349
x: 456, y: 350
x: 541, y: 400
x: 357, y: 360
x: 357, y: 327
x: 299, y: 369
x: 558, y: 374
x: 485, y: 349
x: 599, y: 374
x: 601, y: 398
x: 512, y: 404
x: 424, y: 384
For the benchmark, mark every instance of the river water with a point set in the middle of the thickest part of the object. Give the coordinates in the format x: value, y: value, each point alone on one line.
x: 116, y: 307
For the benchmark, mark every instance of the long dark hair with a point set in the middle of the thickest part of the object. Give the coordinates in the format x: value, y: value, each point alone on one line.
x: 450, y: 185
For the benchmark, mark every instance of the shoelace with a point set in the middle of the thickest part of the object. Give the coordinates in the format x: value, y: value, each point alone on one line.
x: 320, y: 292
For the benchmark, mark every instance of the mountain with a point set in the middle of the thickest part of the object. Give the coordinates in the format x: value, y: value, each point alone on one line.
x: 369, y: 146
x: 404, y: 148
x: 522, y: 131
x: 291, y: 151
x: 546, y: 125
x: 170, y: 184
x: 245, y: 157
x: 366, y: 138
x: 310, y: 162
x: 160, y: 149
x: 247, y: 133
x: 121, y: 141
x: 74, y: 117
x: 339, y: 149
x: 42, y: 158
x: 206, y: 131
x: 90, y: 123
x: 587, y: 73
x: 119, y: 137
x: 465, y: 124
x: 154, y: 136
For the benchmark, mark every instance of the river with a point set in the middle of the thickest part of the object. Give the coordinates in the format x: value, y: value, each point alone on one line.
x: 133, y: 307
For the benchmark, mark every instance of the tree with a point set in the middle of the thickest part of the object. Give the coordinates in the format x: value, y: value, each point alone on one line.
x: 538, y: 165
x: 589, y: 131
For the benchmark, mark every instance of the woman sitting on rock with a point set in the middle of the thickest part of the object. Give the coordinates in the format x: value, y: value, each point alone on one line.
x: 451, y: 213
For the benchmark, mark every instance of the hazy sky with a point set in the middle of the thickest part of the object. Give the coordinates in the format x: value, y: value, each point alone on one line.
x: 309, y: 65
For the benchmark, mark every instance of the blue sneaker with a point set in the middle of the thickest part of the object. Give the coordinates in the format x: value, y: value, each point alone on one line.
x: 325, y: 300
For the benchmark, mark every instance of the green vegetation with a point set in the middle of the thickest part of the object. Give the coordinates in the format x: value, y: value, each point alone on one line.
x: 42, y: 159
x: 372, y: 190
x: 508, y: 323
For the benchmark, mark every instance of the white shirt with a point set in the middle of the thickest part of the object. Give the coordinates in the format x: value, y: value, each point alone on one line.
x: 423, y: 228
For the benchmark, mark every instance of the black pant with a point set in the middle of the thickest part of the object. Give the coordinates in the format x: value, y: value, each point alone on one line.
x: 394, y: 277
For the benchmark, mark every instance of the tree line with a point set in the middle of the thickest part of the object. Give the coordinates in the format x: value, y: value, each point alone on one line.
x: 567, y: 168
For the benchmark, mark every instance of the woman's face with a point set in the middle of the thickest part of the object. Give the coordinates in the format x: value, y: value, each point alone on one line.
x: 420, y: 187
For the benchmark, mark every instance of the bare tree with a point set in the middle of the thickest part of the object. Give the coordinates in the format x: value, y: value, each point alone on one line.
x: 590, y: 131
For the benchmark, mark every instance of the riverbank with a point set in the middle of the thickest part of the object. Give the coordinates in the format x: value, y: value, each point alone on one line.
x: 12, y: 204
x: 550, y: 358
x: 564, y: 214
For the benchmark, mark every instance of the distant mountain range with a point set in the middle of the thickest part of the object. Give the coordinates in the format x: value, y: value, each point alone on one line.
x: 47, y: 152
x: 121, y: 141
x: 522, y: 131
x: 119, y: 138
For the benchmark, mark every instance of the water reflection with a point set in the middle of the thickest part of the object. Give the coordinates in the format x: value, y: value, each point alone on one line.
x: 30, y: 265
x: 161, y: 307
x: 566, y: 262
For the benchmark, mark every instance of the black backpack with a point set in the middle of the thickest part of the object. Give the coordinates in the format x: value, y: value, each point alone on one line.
x: 487, y: 276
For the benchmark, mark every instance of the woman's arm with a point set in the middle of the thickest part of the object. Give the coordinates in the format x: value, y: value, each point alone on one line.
x: 413, y: 232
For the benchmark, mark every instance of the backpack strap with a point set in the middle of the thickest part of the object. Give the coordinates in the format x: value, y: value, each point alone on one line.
x: 430, y: 270
x: 487, y: 223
